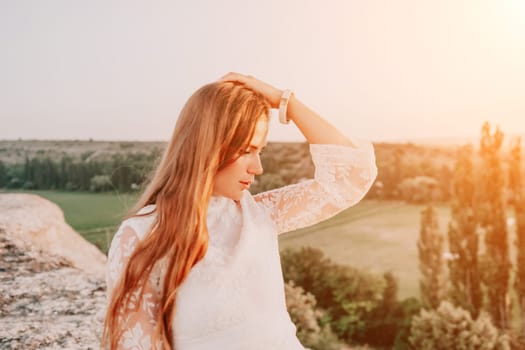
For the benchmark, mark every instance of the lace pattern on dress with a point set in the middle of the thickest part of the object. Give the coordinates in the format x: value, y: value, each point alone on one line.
x: 342, y: 177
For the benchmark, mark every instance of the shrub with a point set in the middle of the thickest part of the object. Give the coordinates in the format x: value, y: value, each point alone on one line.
x: 15, y: 182
x: 451, y: 327
x: 28, y: 185
x: 310, y: 328
x: 100, y: 183
x: 70, y: 186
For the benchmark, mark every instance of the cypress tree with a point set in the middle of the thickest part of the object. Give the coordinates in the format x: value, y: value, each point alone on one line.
x: 492, y: 219
x: 430, y: 246
x: 518, y: 203
x: 463, y: 242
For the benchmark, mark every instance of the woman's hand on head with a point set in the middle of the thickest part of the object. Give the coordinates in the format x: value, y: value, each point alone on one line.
x: 272, y: 94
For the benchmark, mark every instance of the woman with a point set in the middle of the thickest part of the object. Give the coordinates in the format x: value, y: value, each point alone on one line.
x: 197, y: 264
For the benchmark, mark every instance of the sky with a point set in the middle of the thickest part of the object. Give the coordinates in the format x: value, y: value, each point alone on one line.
x: 378, y: 70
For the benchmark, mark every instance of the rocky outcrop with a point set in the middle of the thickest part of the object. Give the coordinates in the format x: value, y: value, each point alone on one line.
x: 52, y: 289
x: 38, y: 224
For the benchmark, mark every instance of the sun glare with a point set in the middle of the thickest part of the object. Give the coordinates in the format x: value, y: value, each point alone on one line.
x: 515, y: 13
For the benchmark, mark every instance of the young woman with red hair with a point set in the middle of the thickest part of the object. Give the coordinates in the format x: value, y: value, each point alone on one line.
x: 196, y: 266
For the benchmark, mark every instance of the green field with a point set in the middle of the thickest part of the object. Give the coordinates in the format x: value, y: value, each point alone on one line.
x: 94, y: 215
x: 375, y: 235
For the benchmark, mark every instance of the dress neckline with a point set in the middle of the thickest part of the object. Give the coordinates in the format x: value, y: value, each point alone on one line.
x: 216, y: 202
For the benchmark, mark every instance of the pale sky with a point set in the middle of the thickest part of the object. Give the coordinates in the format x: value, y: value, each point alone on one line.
x: 380, y: 70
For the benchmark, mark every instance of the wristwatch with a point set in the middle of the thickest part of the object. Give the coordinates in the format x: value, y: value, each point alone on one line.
x: 283, y: 106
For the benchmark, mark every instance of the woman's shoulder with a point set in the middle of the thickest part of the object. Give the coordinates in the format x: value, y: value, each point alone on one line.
x: 141, y: 222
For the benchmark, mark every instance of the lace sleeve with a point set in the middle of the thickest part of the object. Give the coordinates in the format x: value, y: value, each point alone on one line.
x: 343, y: 175
x: 139, y: 323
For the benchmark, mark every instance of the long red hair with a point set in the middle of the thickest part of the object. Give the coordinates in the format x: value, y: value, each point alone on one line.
x: 216, y: 122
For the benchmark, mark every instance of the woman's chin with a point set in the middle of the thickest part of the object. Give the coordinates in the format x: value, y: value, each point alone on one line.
x: 233, y: 196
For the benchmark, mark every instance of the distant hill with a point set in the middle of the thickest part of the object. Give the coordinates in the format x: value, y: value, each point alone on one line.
x: 290, y: 160
x: 15, y: 151
x: 447, y: 141
x: 435, y: 141
x: 95, y: 166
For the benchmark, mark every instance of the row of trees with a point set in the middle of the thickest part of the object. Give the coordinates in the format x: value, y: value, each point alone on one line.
x: 465, y: 292
x: 125, y: 171
x: 476, y: 274
x: 406, y: 172
x: 413, y: 173
x: 122, y: 172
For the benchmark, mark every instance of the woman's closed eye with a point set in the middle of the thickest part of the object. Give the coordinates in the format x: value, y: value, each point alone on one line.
x: 253, y: 150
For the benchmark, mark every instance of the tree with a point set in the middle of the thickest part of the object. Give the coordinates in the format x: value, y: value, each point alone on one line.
x: 430, y: 247
x: 518, y: 202
x: 393, y: 174
x: 445, y: 182
x: 346, y: 294
x: 492, y: 219
x: 418, y: 189
x: 121, y: 174
x: 28, y: 176
x: 463, y: 242
x: 385, y: 321
x: 3, y: 174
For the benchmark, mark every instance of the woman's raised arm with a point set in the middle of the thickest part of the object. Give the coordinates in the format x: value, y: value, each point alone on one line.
x: 315, y: 129
x: 344, y: 169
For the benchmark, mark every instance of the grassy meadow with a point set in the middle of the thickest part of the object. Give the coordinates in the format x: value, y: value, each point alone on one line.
x: 374, y: 235
x: 86, y: 211
x: 94, y: 215
x: 378, y: 236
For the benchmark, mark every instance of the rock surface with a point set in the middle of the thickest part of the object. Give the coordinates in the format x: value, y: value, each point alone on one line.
x: 38, y: 224
x: 50, y: 298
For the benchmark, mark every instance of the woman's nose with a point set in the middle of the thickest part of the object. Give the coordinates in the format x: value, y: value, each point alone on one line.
x: 256, y: 166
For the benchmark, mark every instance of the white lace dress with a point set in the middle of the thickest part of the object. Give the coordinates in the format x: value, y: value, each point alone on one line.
x: 234, y: 297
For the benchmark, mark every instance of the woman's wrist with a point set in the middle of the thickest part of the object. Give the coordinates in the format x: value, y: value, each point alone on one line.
x: 275, y: 99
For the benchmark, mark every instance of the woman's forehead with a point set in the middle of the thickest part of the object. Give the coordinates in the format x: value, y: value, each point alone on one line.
x: 259, y: 136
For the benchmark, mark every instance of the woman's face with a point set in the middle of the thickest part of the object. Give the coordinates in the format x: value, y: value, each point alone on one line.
x: 237, y: 176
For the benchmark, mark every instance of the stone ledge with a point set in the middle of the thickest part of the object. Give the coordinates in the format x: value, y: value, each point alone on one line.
x: 46, y: 301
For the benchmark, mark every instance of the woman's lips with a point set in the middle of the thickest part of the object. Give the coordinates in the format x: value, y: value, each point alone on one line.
x: 246, y: 184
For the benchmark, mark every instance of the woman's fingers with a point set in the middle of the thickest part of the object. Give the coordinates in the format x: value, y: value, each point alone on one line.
x: 232, y: 76
x: 271, y: 93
